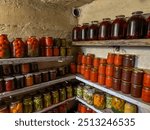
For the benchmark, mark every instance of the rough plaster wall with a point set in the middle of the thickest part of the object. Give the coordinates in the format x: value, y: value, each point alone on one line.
x: 110, y: 8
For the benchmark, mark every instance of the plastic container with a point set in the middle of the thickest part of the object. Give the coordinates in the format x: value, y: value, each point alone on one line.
x: 137, y: 77
x: 129, y: 61
x: 101, y: 79
x: 84, y: 32
x: 38, y: 103
x: 117, y: 72
x: 116, y: 84
x: 110, y: 58
x: 9, y: 83
x: 126, y: 74
x: 94, y: 75
x: 125, y: 87
x: 136, y: 90
x: 102, y: 69
x: 27, y: 105
x: 146, y: 94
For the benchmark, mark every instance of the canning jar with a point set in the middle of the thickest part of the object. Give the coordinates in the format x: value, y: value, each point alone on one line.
x: 109, y: 70
x: 56, y: 51
x: 32, y: 47
x: 93, y: 31
x: 34, y: 67
x: 76, y: 33
x: 42, y: 46
x: 16, y: 107
x: 48, y: 51
x: 45, y: 76
x: 101, y: 79
x: 146, y: 78
x: 84, y: 31
x: 79, y: 69
x: 89, y: 96
x: 117, y: 72
x: 1, y: 85
x: 79, y: 58
x: 85, y: 90
x: 116, y: 84
x: 82, y: 108
x: 4, y: 109
x: 94, y: 75
x: 96, y: 62
x: 136, y: 25
x: 63, y: 51
x: 103, y: 61
x: 19, y: 81
x: 7, y: 70
x: 57, y: 42
x: 25, y: 68
x: 110, y: 58
x: 84, y: 59
x: 62, y: 94
x: 55, y: 96
x: 130, y: 108
x: 48, y: 41
x: 16, y: 69
x: 87, y: 72
x: 63, y: 42
x: 4, y: 46
x: 109, y: 82
x: 118, y: 60
x: 108, y: 101
x: 125, y: 87
x: 137, y: 77
x: 146, y: 94
x: 128, y: 61
x: 69, y: 91
x: 89, y: 60
x: 83, y: 69
x: 37, y: 78
x: 47, y: 99
x: 53, y: 74
x: 99, y: 100
x: 73, y: 68
x: 38, y: 103
x: 18, y: 48
x: 80, y: 90
x: 119, y: 27
x: 9, y: 83
x: 105, y: 29
x: 102, y: 69
x: 69, y: 51
x: 136, y: 90
x: 27, y: 105
x: 126, y: 74
x: 29, y: 80
x: 61, y: 71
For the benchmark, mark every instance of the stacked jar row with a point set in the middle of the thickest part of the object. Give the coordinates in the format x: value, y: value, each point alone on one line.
x: 38, y: 100
x: 45, y: 46
x: 101, y: 100
x: 137, y: 26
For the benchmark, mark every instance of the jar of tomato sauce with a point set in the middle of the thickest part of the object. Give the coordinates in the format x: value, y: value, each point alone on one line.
x: 146, y: 94
x: 48, y: 41
x: 103, y: 61
x: 48, y: 51
x: 84, y: 59
x: 102, y: 69
x: 128, y: 61
x: 126, y: 74
x: 73, y: 68
x: 79, y: 58
x: 84, y: 31
x: 79, y: 69
x: 89, y: 60
x: 125, y: 87
x: 96, y: 62
x: 109, y: 70
x: 110, y: 58
x: 118, y: 60
x: 9, y: 83
x: 83, y: 69
x: 56, y: 51
x: 101, y: 79
x: 87, y: 72
x: 109, y: 82
x: 94, y: 75
x: 136, y: 90
x: 146, y: 78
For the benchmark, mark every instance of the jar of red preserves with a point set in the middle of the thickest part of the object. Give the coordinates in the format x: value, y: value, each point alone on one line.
x: 110, y: 58
x: 84, y: 59
x: 83, y: 69
x: 93, y: 31
x: 9, y: 83
x: 128, y: 61
x: 56, y: 51
x: 125, y: 87
x: 76, y: 33
x: 79, y: 58
x: 96, y: 62
x: 73, y: 68
x: 103, y: 61
x: 146, y: 78
x: 146, y: 94
x: 101, y: 79
x: 109, y: 70
x: 87, y: 72
x: 45, y: 76
x: 116, y: 84
x: 119, y: 27
x: 29, y: 80
x: 137, y: 77
x: 109, y: 82
x: 84, y: 32
x: 37, y: 78
x: 48, y: 41
x: 117, y: 72
x: 126, y: 74
x: 118, y: 60
x: 25, y: 68
x: 102, y: 69
x: 89, y: 60
x: 79, y: 69
x: 136, y: 25
x: 94, y: 75
x: 105, y: 29
x: 32, y: 47
x: 48, y: 51
x: 136, y: 90
x: 4, y: 46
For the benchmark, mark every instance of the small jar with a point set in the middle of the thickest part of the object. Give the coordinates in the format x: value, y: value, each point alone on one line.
x: 19, y: 81
x: 16, y: 107
x: 136, y: 90
x: 69, y: 91
x: 4, y: 109
x: 34, y: 67
x: 80, y: 90
x: 129, y: 61
x: 102, y: 69
x: 25, y: 68
x: 73, y: 68
x: 125, y: 87
x: 101, y: 79
x: 109, y: 70
x: 48, y: 51
x: 118, y: 60
x: 48, y: 41
x: 7, y: 70
x: 137, y: 77
x: 84, y: 32
x: 45, y: 76
x: 1, y: 86
x: 130, y: 108
x: 103, y: 61
x: 55, y: 96
x: 63, y: 42
x: 146, y: 94
x: 9, y: 83
x: 29, y: 80
x: 146, y: 78
x: 47, y: 99
x: 87, y: 72
x: 109, y: 82
x: 16, y: 69
x: 116, y: 84
x: 126, y: 74
x: 84, y: 59
x: 62, y: 51
x: 69, y: 51
x: 37, y: 78
x: 53, y: 74
x: 110, y: 58
x: 56, y: 51
x: 94, y: 75
x: 108, y: 101
x: 79, y: 69
x: 83, y: 69
x: 62, y: 94
x: 96, y: 62
x: 61, y: 71
x: 38, y: 103
x: 117, y: 72
x: 27, y: 105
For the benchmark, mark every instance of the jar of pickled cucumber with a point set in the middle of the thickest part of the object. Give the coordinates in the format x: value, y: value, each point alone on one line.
x: 47, y: 99
x: 63, y: 51
x: 16, y: 107
x: 38, y: 103
x: 69, y: 91
x: 27, y: 105
x: 108, y: 100
x: 62, y: 94
x: 85, y: 91
x: 55, y: 96
x: 80, y: 90
x: 89, y: 96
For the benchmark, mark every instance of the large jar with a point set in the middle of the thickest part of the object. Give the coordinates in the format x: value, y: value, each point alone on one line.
x: 27, y: 105
x: 18, y: 48
x: 137, y: 77
x: 136, y: 25
x: 38, y: 103
x: 47, y: 99
x: 84, y: 31
x: 9, y: 83
x: 93, y: 31
x: 128, y: 61
x: 4, y: 46
x: 76, y: 33
x: 16, y: 107
x: 55, y: 96
x: 130, y: 108
x: 119, y: 27
x: 32, y: 47
x: 105, y: 29
x: 62, y: 94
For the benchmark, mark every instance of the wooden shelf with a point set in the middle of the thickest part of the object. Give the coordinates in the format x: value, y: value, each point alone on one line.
x: 109, y: 43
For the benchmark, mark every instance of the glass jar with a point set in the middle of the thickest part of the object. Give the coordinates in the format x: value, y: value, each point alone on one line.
x: 19, y: 81
x: 146, y: 78
x: 7, y: 70
x: 79, y: 69
x: 69, y: 91
x: 93, y: 31
x: 16, y: 107
x: 27, y: 105
x: 56, y: 51
x: 9, y: 83
x: 1, y: 86
x: 108, y: 101
x: 80, y: 90
x: 84, y: 31
x: 110, y: 58
x: 47, y: 99
x: 137, y: 77
x: 85, y: 90
x: 53, y: 74
x: 62, y: 94
x: 76, y: 33
x: 37, y: 78
x: 48, y: 51
x: 102, y: 69
x: 34, y: 67
x: 109, y: 82
x: 118, y: 60
x: 125, y: 87
x: 136, y: 25
x: 48, y: 41
x: 61, y: 71
x: 109, y: 70
x: 89, y: 96
x: 146, y: 94
x: 128, y: 61
x: 57, y: 42
x: 38, y: 103
x: 83, y: 69
x: 126, y: 74
x: 103, y: 61
x: 94, y: 75
x: 96, y: 62
x: 29, y: 80
x: 63, y: 42
x: 136, y: 90
x: 42, y: 46
x: 69, y: 51
x: 55, y: 96
x: 67, y: 69
x: 116, y: 84
x: 105, y: 29
x: 73, y: 68
x: 119, y: 27
x: 101, y: 79
x: 87, y: 72
x: 4, y: 109
x: 45, y: 76
x: 25, y: 68
x: 16, y: 69
x: 4, y: 46
x: 117, y: 72
x: 18, y: 48
x: 130, y: 108
x: 63, y: 51
x: 1, y: 71
x: 32, y: 47
x: 79, y: 58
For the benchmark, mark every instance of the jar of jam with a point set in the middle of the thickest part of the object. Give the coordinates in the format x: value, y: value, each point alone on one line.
x: 136, y: 90
x: 125, y: 87
x: 116, y: 84
x: 69, y: 51
x: 83, y: 69
x: 103, y: 61
x: 45, y: 76
x: 96, y: 62
x: 146, y: 94
x: 109, y: 70
x: 105, y: 29
x: 4, y: 46
x: 47, y: 99
x: 87, y: 72
x: 1, y: 85
x: 79, y: 58
x: 7, y: 70
x: 110, y: 58
x: 53, y: 74
x: 94, y: 75
x: 29, y: 80
x: 55, y: 96
x: 42, y: 46
x: 128, y: 61
x: 137, y: 77
x: 108, y: 101
x: 61, y: 71
x: 126, y: 74
x: 146, y: 78
x: 38, y: 103
x: 16, y: 107
x: 79, y: 69
x: 119, y: 27
x: 109, y: 82
x: 4, y: 109
x: 9, y: 83
x: 27, y: 105
x: 69, y: 91
x: 32, y: 47
x: 136, y: 25
x: 48, y: 51
x: 25, y: 68
x: 18, y: 48
x: 48, y: 41
x: 37, y: 78
x: 19, y: 81
x: 62, y: 94
x: 84, y: 31
x: 62, y: 51
x: 73, y: 68
x: 101, y: 79
x: 102, y: 69
x: 118, y: 60
x: 93, y: 31
x: 117, y: 72
x: 56, y: 51
x: 76, y: 33
x: 34, y: 67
